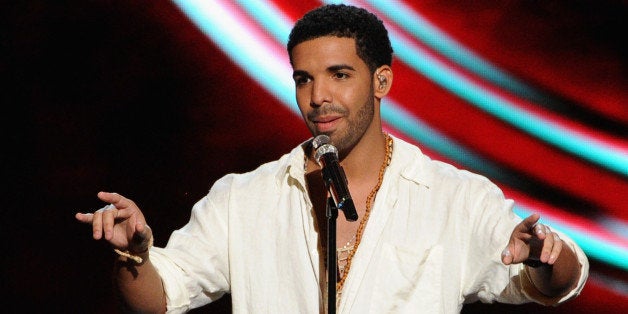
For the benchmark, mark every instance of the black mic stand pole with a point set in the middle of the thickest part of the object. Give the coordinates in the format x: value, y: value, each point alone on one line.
x: 332, y: 215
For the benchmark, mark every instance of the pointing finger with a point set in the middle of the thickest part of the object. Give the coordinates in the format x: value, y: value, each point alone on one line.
x: 530, y: 222
x: 84, y: 218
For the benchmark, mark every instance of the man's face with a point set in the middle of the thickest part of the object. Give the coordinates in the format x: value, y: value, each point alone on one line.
x: 334, y: 89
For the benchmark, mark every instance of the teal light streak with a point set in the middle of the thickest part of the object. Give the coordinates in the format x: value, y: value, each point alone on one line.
x: 236, y: 43
x: 270, y: 17
x: 423, y: 133
x: 426, y: 32
x: 592, y: 151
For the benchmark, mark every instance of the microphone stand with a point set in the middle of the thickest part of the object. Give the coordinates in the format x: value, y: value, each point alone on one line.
x: 339, y: 199
x: 332, y: 215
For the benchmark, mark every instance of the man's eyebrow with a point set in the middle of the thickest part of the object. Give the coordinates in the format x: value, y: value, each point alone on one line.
x: 332, y: 69
x: 335, y: 68
x: 297, y: 73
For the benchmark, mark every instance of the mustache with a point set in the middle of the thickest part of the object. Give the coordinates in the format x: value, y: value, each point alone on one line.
x: 326, y: 110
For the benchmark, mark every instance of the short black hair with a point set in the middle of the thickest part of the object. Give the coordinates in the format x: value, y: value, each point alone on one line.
x: 340, y: 20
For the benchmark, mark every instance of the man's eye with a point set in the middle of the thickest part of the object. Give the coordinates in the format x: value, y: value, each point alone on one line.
x: 340, y: 75
x: 301, y: 80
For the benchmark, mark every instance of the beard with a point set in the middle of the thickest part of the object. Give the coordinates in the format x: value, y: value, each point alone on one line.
x: 346, y: 139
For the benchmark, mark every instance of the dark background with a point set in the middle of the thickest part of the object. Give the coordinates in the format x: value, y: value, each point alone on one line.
x: 130, y: 97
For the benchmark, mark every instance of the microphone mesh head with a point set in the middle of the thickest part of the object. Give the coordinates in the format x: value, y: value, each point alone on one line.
x: 323, y: 146
x: 320, y: 140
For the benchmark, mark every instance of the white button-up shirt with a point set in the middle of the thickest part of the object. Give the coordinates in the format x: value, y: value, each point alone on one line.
x: 433, y: 242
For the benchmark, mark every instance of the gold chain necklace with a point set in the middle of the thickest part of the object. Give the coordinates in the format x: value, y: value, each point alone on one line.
x: 367, y: 213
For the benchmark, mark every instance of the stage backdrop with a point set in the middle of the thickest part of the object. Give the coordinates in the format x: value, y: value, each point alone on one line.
x: 158, y: 99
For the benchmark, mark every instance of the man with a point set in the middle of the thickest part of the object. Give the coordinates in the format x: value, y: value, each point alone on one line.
x: 430, y: 237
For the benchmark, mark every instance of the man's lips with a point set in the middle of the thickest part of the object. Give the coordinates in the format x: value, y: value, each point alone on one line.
x: 326, y: 119
x: 326, y: 123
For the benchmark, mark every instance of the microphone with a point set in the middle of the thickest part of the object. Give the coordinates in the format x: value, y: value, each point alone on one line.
x: 334, y: 176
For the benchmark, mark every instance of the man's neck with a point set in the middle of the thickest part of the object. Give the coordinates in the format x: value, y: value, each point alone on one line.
x: 365, y: 159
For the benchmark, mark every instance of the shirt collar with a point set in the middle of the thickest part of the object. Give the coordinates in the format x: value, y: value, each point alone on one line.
x: 409, y: 162
x: 294, y: 165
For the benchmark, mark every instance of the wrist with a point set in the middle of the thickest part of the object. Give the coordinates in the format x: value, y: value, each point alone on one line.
x: 137, y: 257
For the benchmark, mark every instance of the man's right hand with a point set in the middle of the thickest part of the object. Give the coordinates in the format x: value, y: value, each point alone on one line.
x: 121, y: 223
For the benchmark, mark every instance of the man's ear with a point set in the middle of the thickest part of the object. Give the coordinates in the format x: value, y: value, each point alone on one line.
x: 382, y: 80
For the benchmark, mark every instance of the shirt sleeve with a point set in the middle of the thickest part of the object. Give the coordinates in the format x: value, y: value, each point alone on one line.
x: 194, y: 264
x: 491, y: 221
x: 494, y: 281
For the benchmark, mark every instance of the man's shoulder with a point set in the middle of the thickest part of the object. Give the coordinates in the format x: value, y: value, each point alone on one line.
x: 266, y: 173
x: 417, y: 166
